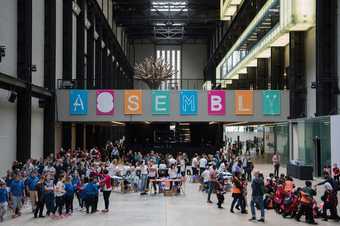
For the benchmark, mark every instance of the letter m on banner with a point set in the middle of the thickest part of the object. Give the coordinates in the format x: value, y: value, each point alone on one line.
x: 188, y: 102
x: 78, y: 102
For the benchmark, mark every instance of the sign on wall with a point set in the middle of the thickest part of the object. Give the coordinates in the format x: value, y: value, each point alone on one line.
x: 160, y: 102
x: 244, y: 102
x: 133, y: 103
x: 188, y: 102
x: 78, y: 102
x: 216, y: 102
x: 271, y: 102
x: 105, y: 102
x: 172, y: 105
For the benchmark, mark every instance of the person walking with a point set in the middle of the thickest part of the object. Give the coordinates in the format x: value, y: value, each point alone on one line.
x: 17, y: 189
x: 276, y: 163
x: 237, y: 192
x: 257, y: 187
x: 212, y: 181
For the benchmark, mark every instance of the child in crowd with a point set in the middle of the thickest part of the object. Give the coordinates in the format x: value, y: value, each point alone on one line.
x: 17, y: 191
x: 59, y: 195
x: 220, y: 193
x: 3, y: 199
x: 49, y: 195
x: 69, y: 195
x: 39, y: 195
x: 91, y: 196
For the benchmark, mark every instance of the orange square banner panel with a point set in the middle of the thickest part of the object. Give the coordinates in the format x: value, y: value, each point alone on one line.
x: 133, y: 104
x: 244, y: 104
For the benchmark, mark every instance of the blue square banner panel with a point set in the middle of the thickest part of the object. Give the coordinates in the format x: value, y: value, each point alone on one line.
x: 78, y: 102
x: 188, y: 103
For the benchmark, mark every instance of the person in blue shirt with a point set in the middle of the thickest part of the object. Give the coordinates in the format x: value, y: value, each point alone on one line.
x: 69, y: 195
x: 91, y: 196
x: 17, y: 189
x: 3, y: 199
x: 31, y: 183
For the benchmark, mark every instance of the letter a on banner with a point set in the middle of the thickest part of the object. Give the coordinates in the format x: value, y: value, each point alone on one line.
x: 188, y: 103
x: 244, y: 102
x: 105, y: 102
x: 133, y: 102
x: 78, y: 102
x: 271, y: 100
x: 216, y: 102
x: 160, y: 102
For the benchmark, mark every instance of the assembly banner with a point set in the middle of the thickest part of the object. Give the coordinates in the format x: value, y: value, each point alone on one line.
x: 105, y: 102
x: 133, y: 103
x: 271, y: 100
x: 244, y: 102
x: 160, y: 102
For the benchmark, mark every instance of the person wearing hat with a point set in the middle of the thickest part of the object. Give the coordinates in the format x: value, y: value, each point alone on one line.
x: 3, y: 199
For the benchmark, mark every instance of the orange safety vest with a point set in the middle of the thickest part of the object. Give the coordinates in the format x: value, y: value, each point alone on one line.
x: 305, y: 199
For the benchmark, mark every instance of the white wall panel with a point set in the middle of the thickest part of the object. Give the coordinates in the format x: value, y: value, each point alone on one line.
x: 8, y: 125
x: 38, y: 23
x: 37, y: 130
x: 8, y: 36
x: 335, y: 141
x: 310, y: 47
x: 59, y: 39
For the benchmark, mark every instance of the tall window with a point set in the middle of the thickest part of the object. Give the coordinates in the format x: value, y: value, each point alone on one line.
x: 172, y: 56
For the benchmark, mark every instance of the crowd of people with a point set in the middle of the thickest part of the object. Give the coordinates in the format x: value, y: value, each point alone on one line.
x: 53, y: 183
x: 276, y: 191
x: 50, y: 185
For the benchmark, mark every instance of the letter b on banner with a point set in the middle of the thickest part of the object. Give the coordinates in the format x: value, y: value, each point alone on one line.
x: 271, y: 102
x: 160, y: 102
x: 216, y: 102
x: 133, y: 102
x: 188, y: 103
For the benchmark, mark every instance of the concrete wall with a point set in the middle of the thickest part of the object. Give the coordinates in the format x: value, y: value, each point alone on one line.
x: 8, y: 36
x: 310, y: 48
x: 194, y: 59
x: 335, y: 141
x: 8, y: 119
x: 338, y: 35
x: 37, y: 130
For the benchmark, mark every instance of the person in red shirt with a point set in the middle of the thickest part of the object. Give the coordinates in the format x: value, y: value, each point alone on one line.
x: 106, y: 186
x: 336, y: 172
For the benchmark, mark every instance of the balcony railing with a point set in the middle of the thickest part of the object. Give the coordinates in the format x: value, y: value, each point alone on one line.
x: 169, y: 84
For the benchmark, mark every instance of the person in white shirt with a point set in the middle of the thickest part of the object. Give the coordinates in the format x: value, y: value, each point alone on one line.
x: 172, y: 161
x: 152, y: 175
x: 59, y: 195
x: 194, y: 165
x: 203, y: 163
x: 144, y: 178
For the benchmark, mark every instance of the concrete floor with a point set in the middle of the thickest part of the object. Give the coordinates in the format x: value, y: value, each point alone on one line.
x: 190, y: 209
